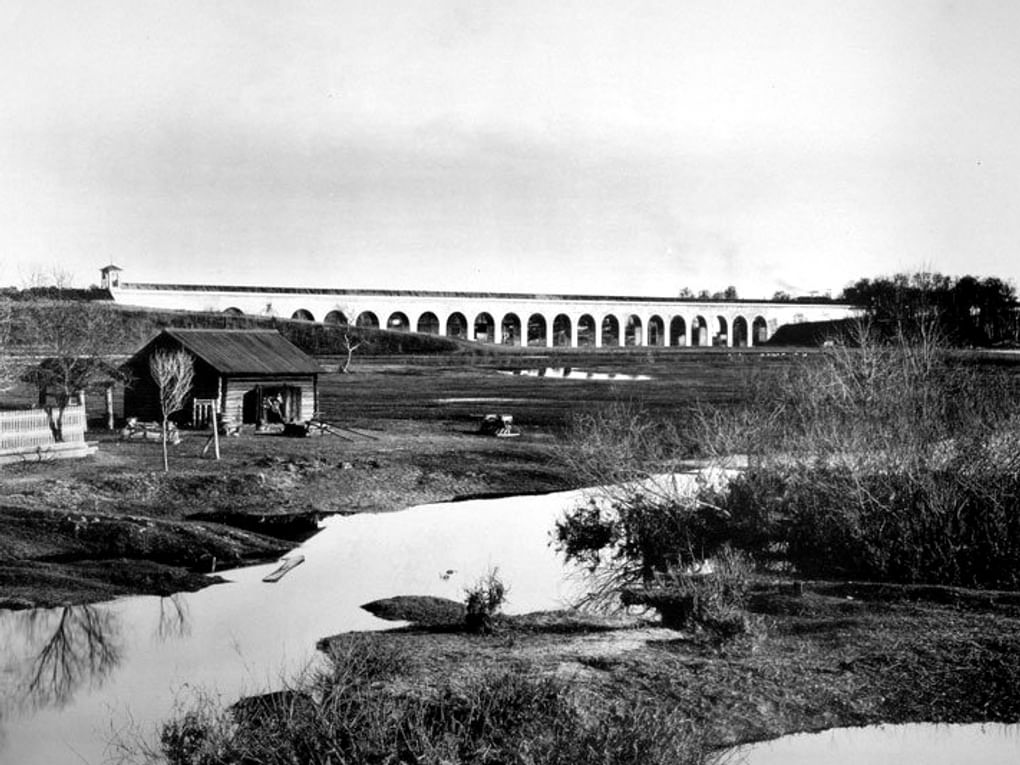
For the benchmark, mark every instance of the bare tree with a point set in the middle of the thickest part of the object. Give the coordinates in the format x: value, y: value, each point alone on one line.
x: 350, y: 346
x: 74, y: 339
x: 8, y: 368
x: 173, y: 372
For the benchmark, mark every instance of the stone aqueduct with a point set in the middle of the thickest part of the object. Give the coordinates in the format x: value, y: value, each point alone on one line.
x: 504, y: 318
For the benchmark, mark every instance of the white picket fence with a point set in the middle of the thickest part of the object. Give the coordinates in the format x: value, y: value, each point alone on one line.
x: 30, y: 428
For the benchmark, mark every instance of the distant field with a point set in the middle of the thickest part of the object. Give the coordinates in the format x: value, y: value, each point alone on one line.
x: 445, y: 388
x: 392, y: 388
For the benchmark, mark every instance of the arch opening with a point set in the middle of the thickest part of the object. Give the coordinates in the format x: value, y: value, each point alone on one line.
x: 562, y: 327
x: 760, y: 330
x: 398, y: 322
x: 336, y: 317
x: 233, y: 311
x: 656, y: 331
x: 457, y: 326
x: 722, y: 336
x: 485, y: 328
x: 537, y: 326
x: 367, y: 320
x: 610, y: 331
x: 510, y: 329
x: 428, y: 323
x: 302, y: 315
x: 677, y: 331
x: 586, y: 331
x: 740, y: 332
x: 633, y: 331
x: 699, y: 331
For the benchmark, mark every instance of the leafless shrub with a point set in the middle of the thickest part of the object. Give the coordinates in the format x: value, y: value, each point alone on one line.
x: 173, y: 373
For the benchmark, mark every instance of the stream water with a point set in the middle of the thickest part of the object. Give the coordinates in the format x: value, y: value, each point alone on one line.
x: 71, y: 678
x: 931, y: 744
x: 570, y: 373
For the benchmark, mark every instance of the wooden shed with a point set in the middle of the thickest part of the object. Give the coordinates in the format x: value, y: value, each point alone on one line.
x: 257, y: 376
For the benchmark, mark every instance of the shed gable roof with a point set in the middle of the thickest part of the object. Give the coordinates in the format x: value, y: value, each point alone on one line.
x: 243, y: 351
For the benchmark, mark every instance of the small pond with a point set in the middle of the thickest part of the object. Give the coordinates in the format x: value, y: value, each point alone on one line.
x: 931, y: 744
x: 70, y: 677
x: 570, y: 373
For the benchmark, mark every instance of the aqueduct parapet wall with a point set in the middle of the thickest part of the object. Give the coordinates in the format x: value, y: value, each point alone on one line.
x: 511, y: 319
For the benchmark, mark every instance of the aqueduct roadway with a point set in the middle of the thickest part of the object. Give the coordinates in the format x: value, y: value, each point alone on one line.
x: 494, y: 317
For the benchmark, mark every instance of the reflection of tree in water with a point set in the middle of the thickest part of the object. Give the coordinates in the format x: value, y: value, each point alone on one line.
x: 174, y: 621
x: 77, y: 645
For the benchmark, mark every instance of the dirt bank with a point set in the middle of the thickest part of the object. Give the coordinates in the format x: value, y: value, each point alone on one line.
x: 116, y: 524
x: 815, y: 661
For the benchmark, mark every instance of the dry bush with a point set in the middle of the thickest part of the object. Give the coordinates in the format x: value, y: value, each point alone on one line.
x: 879, y: 458
x: 350, y: 714
x: 886, y: 460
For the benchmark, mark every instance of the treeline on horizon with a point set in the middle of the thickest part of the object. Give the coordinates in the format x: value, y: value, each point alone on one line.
x: 967, y: 311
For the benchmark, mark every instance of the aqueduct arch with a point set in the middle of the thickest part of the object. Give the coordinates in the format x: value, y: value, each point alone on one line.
x: 632, y: 330
x: 739, y: 338
x: 656, y: 331
x: 367, y: 320
x: 699, y: 332
x: 537, y: 330
x: 586, y: 334
x: 428, y: 323
x: 677, y: 331
x: 610, y: 331
x: 398, y: 322
x: 562, y: 335
x: 457, y: 325
x: 510, y: 329
x: 485, y: 328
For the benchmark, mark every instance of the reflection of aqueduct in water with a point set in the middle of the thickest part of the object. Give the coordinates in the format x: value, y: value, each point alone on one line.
x: 493, y: 317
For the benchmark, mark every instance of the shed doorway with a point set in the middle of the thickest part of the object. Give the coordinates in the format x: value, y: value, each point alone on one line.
x: 271, y: 405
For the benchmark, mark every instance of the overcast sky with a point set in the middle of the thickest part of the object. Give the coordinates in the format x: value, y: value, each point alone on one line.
x: 623, y: 147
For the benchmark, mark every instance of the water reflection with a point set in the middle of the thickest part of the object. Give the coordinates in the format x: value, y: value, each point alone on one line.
x: 67, y: 648
x: 174, y: 620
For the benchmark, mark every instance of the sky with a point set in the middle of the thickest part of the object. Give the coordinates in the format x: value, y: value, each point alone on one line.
x: 630, y: 147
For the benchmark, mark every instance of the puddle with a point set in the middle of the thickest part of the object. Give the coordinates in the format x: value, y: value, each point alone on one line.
x: 569, y: 373
x: 481, y: 400
x: 931, y: 744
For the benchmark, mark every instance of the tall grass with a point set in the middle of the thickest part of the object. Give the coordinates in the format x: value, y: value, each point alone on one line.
x: 886, y: 460
x: 877, y: 458
x: 360, y: 709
